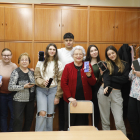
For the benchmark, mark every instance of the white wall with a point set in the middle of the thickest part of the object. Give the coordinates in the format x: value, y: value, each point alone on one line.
x: 131, y: 3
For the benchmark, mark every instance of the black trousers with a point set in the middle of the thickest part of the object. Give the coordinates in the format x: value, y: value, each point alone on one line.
x: 23, y: 110
x: 95, y: 89
x: 75, y: 119
x: 61, y: 114
x: 134, y: 116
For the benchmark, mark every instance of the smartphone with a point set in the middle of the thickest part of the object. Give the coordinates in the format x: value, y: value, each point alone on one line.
x: 109, y: 91
x: 86, y: 66
x: 41, y: 56
x: 136, y: 65
x: 50, y: 81
x: 32, y: 84
x: 0, y: 78
x: 102, y: 66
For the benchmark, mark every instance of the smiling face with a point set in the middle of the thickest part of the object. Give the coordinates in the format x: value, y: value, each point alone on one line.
x: 6, y: 56
x: 24, y: 61
x: 78, y: 56
x: 112, y: 55
x: 52, y: 51
x: 93, y: 52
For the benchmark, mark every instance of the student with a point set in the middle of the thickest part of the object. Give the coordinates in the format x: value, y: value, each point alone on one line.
x: 64, y: 56
x: 115, y: 76
x: 134, y: 102
x: 23, y: 99
x: 47, y: 97
x: 6, y: 100
x: 93, y: 57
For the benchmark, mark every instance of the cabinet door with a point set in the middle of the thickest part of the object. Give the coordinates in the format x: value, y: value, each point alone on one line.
x: 19, y: 48
x: 48, y: 24
x: 41, y: 47
x: 1, y: 23
x: 18, y: 23
x: 101, y: 25
x: 120, y: 26
x: 75, y: 21
x: 1, y: 48
x: 131, y: 26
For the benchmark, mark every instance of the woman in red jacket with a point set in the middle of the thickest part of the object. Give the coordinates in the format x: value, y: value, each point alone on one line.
x: 76, y: 85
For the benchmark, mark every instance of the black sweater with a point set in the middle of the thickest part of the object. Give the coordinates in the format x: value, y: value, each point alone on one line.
x: 117, y: 79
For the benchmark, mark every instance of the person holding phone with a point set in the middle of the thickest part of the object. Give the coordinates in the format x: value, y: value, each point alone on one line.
x: 48, y: 72
x: 93, y: 57
x: 115, y: 76
x: 76, y: 85
x: 134, y: 102
x: 23, y: 99
x: 6, y: 68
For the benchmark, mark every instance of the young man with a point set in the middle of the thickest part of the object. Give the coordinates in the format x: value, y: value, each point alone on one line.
x: 65, y: 57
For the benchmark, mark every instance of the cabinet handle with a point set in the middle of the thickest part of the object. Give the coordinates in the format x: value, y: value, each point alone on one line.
x: 116, y: 26
x: 113, y: 26
x: 2, y: 23
x: 59, y: 25
x: 6, y: 23
x: 62, y: 25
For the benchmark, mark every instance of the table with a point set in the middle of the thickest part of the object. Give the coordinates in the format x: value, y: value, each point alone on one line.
x: 64, y: 135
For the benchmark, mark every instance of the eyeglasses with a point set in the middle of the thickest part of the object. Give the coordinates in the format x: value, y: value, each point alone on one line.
x: 6, y: 56
x: 24, y: 60
x: 76, y: 54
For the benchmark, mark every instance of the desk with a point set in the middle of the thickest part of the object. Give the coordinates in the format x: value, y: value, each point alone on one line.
x: 64, y: 135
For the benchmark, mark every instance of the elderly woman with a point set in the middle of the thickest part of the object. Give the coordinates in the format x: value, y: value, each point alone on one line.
x: 22, y: 82
x: 76, y: 85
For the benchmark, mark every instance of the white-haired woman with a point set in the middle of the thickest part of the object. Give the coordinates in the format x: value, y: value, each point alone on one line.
x: 76, y: 85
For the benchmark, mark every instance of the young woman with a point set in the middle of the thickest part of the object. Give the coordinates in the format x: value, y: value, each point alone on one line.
x: 115, y: 76
x: 6, y: 68
x: 23, y: 99
x: 93, y: 57
x: 134, y: 102
x: 47, y: 97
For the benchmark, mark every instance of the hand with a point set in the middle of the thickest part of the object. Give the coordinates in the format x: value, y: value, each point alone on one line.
x: 45, y: 83
x: 28, y: 85
x: 101, y: 72
x: 56, y: 101
x: 0, y: 83
x: 105, y: 90
x: 73, y: 101
x: 89, y: 73
x: 137, y: 73
x: 32, y: 69
x: 132, y: 67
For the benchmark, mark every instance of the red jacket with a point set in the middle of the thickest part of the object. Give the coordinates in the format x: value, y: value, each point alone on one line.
x: 69, y: 82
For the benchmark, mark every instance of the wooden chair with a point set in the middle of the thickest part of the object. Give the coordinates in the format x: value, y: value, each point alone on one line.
x: 83, y: 106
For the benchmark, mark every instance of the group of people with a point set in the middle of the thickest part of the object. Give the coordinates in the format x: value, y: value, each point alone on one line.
x: 66, y: 67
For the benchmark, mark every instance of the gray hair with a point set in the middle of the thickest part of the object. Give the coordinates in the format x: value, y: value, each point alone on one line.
x: 78, y: 47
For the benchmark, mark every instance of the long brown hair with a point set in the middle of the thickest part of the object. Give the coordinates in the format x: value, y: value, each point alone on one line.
x: 117, y: 61
x: 55, y: 59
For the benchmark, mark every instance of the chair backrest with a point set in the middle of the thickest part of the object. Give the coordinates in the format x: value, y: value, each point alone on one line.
x: 83, y: 106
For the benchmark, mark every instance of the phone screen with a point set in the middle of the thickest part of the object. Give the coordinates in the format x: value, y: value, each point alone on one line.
x: 136, y: 65
x: 41, y: 56
x: 109, y: 91
x: 86, y: 66
x: 101, y: 66
x: 0, y: 78
x: 50, y: 81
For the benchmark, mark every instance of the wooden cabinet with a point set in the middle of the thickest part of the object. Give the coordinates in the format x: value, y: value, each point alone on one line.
x: 1, y: 48
x: 113, y: 25
x: 1, y: 23
x: 51, y: 23
x: 16, y: 22
x: 19, y: 48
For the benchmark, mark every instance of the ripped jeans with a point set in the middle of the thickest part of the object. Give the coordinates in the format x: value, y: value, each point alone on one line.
x: 45, y: 102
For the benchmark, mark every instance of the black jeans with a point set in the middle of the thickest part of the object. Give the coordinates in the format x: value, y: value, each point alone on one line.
x: 75, y: 119
x: 61, y: 114
x: 95, y: 89
x: 23, y: 110
x: 134, y: 116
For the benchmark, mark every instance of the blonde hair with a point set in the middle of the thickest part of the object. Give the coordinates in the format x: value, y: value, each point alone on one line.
x: 24, y: 54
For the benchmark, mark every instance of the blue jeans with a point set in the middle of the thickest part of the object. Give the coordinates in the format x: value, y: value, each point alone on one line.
x: 45, y: 102
x: 6, y: 101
